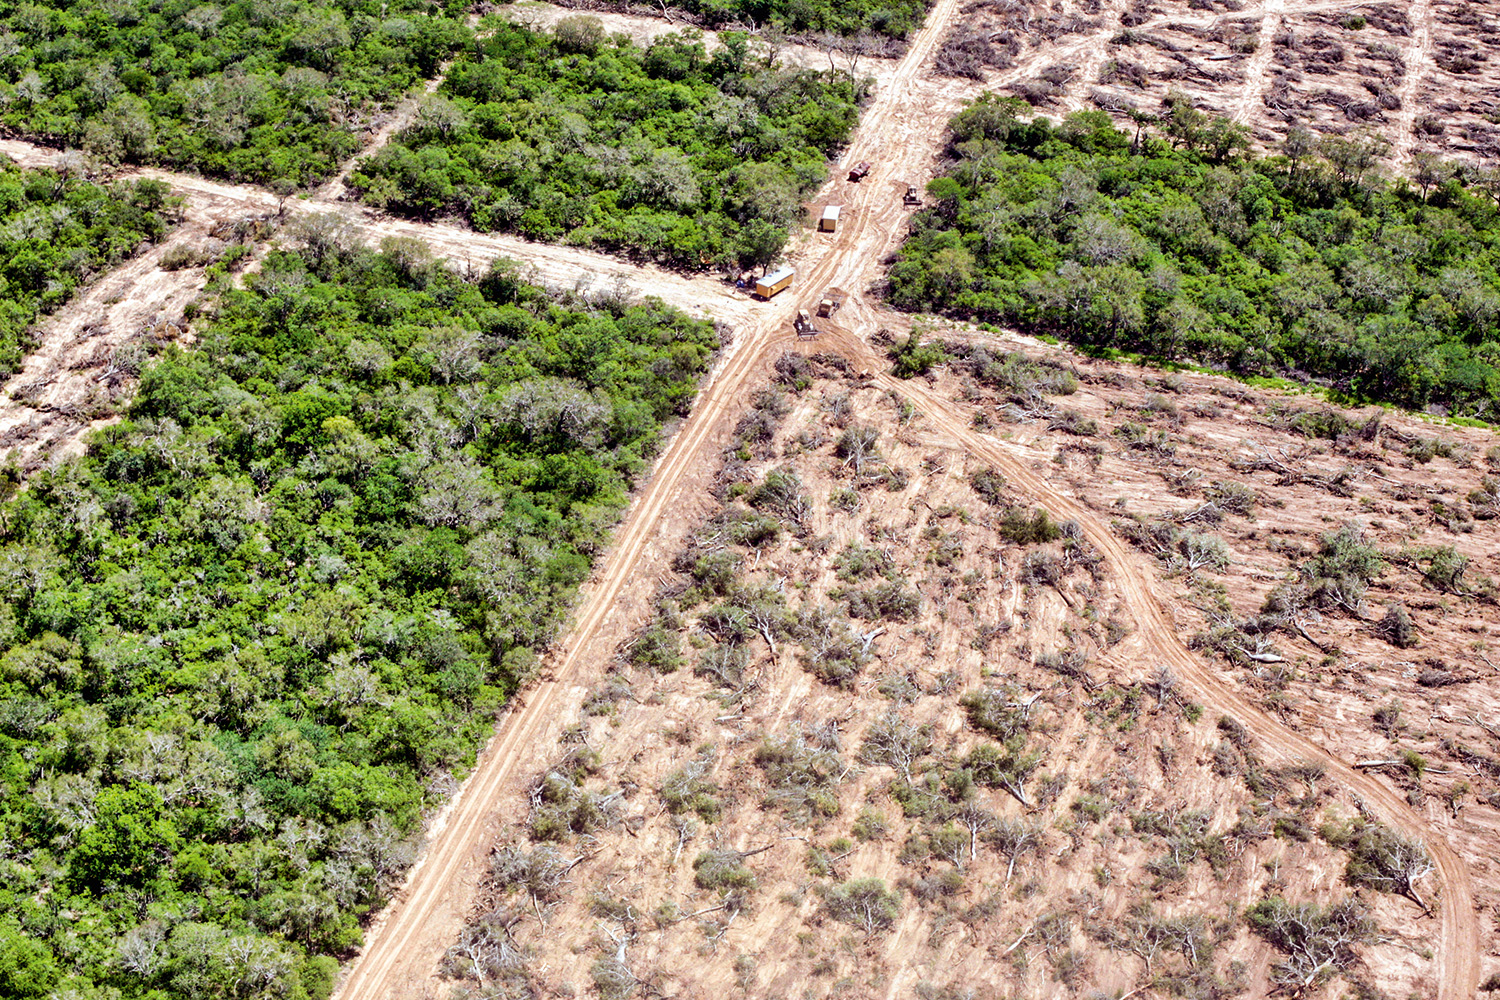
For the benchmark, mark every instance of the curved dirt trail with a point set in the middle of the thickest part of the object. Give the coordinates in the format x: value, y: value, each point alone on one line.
x: 1418, y: 59
x: 1256, y: 70
x: 1457, y: 961
x: 407, y: 942
x: 401, y: 117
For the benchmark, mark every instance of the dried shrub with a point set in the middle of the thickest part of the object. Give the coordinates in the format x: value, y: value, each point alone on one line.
x: 802, y: 776
x: 867, y: 903
x: 1318, y: 942
x: 722, y: 870
x: 1396, y: 627
x: 690, y: 789
x: 889, y: 601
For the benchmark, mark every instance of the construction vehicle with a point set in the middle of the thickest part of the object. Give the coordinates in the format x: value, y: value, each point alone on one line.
x: 829, y: 223
x: 860, y: 170
x: 803, y: 324
x: 829, y: 304
x: 912, y: 198
x: 774, y: 282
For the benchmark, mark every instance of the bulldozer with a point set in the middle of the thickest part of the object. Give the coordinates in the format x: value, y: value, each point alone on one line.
x: 803, y: 324
x: 829, y: 304
x: 911, y: 198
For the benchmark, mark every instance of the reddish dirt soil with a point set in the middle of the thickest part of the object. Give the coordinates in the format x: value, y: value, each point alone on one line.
x: 1423, y: 77
x: 1160, y: 763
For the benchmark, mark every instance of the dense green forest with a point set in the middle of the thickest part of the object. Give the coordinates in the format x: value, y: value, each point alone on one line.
x: 662, y: 153
x: 891, y: 18
x: 1301, y: 264
x: 56, y: 233
x: 272, y: 91
x: 270, y: 616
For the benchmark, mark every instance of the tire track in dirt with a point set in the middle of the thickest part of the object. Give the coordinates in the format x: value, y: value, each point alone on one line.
x: 1418, y: 59
x: 1457, y: 959
x: 405, y: 112
x: 1091, y: 63
x: 1257, y: 70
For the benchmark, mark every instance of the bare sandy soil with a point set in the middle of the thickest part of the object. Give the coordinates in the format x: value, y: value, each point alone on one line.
x: 997, y: 933
x: 1419, y: 76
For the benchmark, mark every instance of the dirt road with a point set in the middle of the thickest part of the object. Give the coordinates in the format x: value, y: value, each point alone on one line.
x: 48, y: 406
x: 1159, y: 642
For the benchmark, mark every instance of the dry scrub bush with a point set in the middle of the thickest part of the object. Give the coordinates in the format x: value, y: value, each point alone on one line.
x: 830, y: 650
x: 867, y: 903
x: 889, y: 601
x: 1382, y: 859
x: 801, y: 774
x: 857, y: 562
x: 486, y: 952
x: 722, y: 870
x: 780, y: 494
x: 562, y: 805
x: 538, y: 872
x: 1396, y: 627
x: 1318, y: 942
x: 690, y: 789
x: 896, y: 743
x: 658, y: 646
x: 1233, y: 498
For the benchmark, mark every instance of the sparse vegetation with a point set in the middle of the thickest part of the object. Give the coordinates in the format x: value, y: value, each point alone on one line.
x: 56, y: 233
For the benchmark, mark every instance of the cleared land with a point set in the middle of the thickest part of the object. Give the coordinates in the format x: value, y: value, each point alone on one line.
x: 1417, y: 78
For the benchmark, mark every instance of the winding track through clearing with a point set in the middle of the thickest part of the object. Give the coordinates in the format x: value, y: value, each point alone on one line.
x: 1457, y: 953
x: 400, y: 959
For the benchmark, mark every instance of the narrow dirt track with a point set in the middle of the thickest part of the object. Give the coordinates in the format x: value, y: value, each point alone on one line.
x: 401, y: 117
x: 1418, y: 59
x: 40, y: 411
x: 1257, y: 69
x: 1457, y: 942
